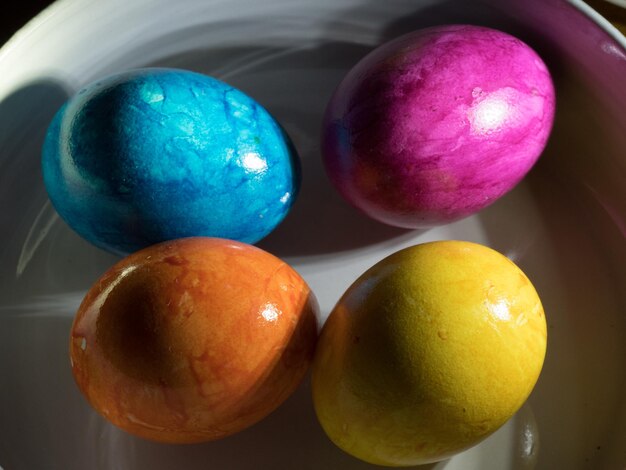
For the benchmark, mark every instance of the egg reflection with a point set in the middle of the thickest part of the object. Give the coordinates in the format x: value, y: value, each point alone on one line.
x: 271, y: 312
x: 254, y: 163
x: 500, y: 310
x: 492, y: 111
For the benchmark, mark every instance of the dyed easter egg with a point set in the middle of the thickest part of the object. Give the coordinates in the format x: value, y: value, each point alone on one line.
x: 157, y: 154
x: 437, y: 124
x: 427, y: 353
x: 193, y: 339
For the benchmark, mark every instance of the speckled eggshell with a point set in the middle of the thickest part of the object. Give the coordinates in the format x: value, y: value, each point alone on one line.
x: 194, y: 339
x: 157, y: 154
x: 437, y: 124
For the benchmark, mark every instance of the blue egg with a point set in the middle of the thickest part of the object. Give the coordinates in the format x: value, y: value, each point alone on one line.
x: 158, y: 154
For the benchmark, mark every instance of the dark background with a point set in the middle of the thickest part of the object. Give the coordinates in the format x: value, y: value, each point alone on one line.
x: 17, y: 15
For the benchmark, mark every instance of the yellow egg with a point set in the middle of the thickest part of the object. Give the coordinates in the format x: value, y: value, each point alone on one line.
x: 427, y: 353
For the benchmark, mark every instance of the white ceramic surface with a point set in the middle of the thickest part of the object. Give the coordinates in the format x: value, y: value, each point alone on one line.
x: 565, y: 225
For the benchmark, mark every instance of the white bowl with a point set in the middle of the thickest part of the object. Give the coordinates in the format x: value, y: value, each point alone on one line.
x: 565, y: 224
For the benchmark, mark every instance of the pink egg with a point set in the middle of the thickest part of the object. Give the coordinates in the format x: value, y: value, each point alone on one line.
x: 437, y: 124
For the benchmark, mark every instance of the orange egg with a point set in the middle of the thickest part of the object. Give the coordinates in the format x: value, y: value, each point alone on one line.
x: 194, y: 339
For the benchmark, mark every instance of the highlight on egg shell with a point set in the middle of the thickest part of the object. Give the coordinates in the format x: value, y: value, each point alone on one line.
x: 437, y: 124
x: 151, y: 155
x: 427, y: 353
x: 193, y: 339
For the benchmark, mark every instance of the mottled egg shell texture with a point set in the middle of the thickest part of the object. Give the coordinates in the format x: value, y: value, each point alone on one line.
x: 427, y: 353
x: 437, y: 124
x: 193, y: 339
x: 156, y: 154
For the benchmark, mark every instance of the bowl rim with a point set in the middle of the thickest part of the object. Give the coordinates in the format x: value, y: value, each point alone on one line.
x: 58, y: 6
